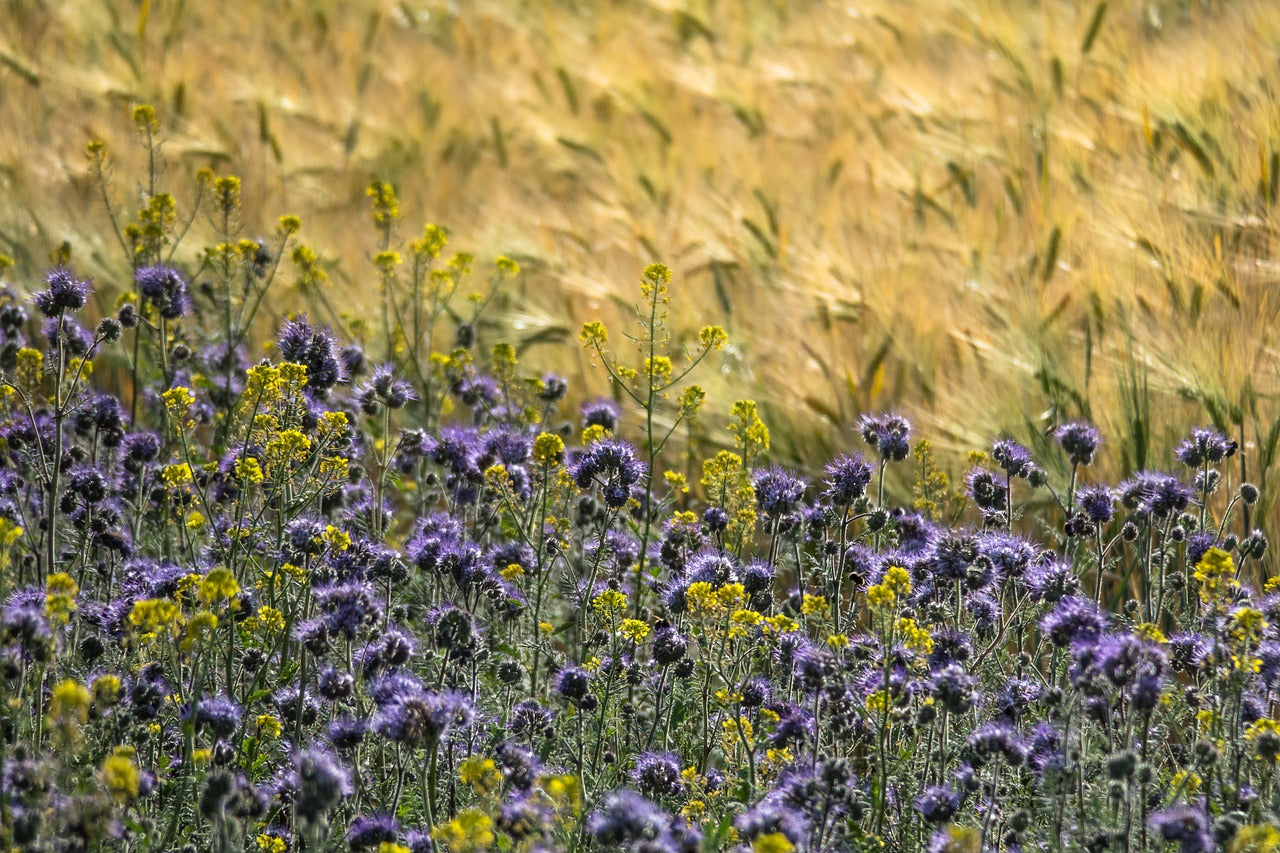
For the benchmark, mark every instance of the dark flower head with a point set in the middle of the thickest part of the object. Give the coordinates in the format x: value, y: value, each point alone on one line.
x: 1155, y: 493
x: 367, y: 832
x: 1073, y: 619
x: 888, y: 433
x: 1079, y: 440
x: 939, y: 803
x: 777, y: 491
x: 322, y: 782
x: 626, y: 818
x: 602, y: 413
x: 1014, y: 459
x: 847, y: 479
x: 1206, y: 446
x: 573, y: 683
x: 613, y: 464
x: 313, y: 347
x: 1051, y: 580
x: 987, y: 491
x: 1097, y: 503
x: 165, y: 288
x: 657, y: 774
x: 346, y: 733
x: 65, y: 293
x: 953, y: 688
x: 996, y: 740
x: 219, y: 715
x: 1185, y: 824
x: 553, y: 388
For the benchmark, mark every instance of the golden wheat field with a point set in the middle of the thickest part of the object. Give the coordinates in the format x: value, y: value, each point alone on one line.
x: 989, y: 214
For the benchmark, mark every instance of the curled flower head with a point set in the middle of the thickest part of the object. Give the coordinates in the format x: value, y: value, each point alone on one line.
x: 1205, y: 446
x: 888, y: 433
x: 64, y: 293
x: 165, y: 288
x: 1079, y: 440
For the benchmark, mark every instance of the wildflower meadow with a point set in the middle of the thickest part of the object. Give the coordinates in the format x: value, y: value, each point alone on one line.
x: 394, y: 593
x: 303, y: 554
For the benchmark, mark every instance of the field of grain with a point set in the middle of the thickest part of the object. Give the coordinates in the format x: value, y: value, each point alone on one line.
x: 987, y: 214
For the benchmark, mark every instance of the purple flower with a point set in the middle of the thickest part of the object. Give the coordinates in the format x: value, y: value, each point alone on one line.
x: 1097, y: 503
x: 322, y: 782
x: 626, y: 818
x: 218, y: 714
x: 65, y: 293
x: 777, y: 491
x: 987, y: 491
x: 573, y: 683
x: 953, y: 688
x: 1073, y: 619
x: 1185, y: 824
x: 996, y: 740
x: 1206, y: 446
x: 1014, y: 459
x: 368, y: 831
x: 888, y: 433
x: 419, y: 717
x: 1079, y: 440
x: 313, y: 347
x: 165, y: 288
x: 611, y: 463
x: 657, y: 774
x: 384, y: 389
x: 602, y: 413
x: 939, y: 803
x: 847, y: 478
x: 1155, y: 493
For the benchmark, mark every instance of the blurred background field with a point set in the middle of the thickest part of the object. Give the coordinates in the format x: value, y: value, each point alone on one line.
x: 990, y: 215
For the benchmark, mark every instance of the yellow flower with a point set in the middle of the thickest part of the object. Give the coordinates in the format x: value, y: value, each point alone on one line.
x: 814, y: 605
x: 609, y: 603
x: 548, y: 448
x: 898, y: 581
x: 1247, y: 625
x: 634, y: 630
x: 880, y: 597
x: 481, y: 774
x: 268, y: 726
x: 70, y: 701
x: 177, y: 475
x: 470, y: 831
x: 701, y: 598
x: 178, y: 401
x: 60, y: 598
x: 1216, y: 573
x: 272, y: 844
x: 916, y: 638
x: 217, y: 585
x: 772, y: 842
x: 594, y: 334
x: 106, y: 690
x: 731, y: 595
x: 248, y: 469
x: 120, y: 776
x: 713, y: 337
x: 1259, y: 838
x: 152, y: 615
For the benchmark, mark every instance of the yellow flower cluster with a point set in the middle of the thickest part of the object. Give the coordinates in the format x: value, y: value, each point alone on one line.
x: 470, y: 831
x: 1216, y: 573
x: 609, y: 603
x: 895, y: 584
